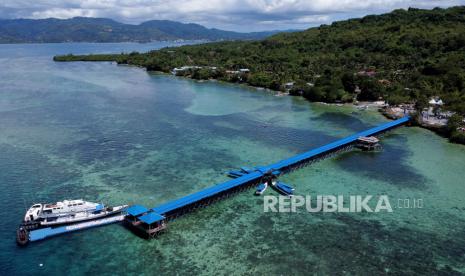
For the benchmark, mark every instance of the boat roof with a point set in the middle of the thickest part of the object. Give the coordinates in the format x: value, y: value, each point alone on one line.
x: 136, y: 210
x: 151, y: 218
x: 66, y: 201
x: 99, y: 207
x: 369, y: 139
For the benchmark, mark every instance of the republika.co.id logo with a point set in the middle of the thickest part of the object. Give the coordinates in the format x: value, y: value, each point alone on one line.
x: 332, y: 203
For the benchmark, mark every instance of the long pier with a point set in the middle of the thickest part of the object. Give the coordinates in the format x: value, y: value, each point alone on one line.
x: 151, y: 222
x: 138, y: 215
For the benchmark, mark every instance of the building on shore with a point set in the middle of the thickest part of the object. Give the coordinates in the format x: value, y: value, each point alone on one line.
x: 184, y: 69
x: 289, y: 85
x: 435, y: 101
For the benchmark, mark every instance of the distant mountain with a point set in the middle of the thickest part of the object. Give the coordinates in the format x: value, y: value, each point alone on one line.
x: 87, y: 29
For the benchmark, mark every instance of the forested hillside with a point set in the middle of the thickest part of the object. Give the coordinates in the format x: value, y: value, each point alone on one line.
x: 406, y: 56
x: 88, y: 29
x: 402, y: 56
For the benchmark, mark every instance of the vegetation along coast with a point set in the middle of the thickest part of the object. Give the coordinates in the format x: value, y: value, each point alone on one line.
x: 413, y: 60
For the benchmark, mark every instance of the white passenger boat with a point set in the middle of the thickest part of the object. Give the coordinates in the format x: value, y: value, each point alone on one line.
x: 66, y: 212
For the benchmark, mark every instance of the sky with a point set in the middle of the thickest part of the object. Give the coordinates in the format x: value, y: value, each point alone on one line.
x: 235, y: 15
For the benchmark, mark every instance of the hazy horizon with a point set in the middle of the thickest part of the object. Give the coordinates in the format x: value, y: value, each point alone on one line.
x: 239, y: 15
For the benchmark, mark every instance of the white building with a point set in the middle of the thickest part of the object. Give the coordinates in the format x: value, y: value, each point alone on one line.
x: 436, y: 101
x: 289, y: 85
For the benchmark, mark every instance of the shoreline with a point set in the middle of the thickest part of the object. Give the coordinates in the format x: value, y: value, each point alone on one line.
x: 440, y: 130
x: 181, y: 41
x: 380, y: 105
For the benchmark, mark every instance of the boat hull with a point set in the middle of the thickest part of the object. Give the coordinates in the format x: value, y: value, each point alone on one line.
x: 261, y: 189
x: 48, y: 232
x: 284, y: 189
x: 22, y: 236
x: 82, y: 219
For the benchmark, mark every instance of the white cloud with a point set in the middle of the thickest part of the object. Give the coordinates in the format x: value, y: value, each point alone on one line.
x: 63, y: 13
x: 232, y: 14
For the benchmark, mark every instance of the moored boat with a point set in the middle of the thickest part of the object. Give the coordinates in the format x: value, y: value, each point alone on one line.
x: 261, y: 188
x: 241, y: 172
x: 284, y: 188
x: 66, y: 212
x: 236, y: 174
x: 246, y: 170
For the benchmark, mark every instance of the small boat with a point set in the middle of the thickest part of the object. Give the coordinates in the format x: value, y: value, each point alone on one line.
x: 368, y: 143
x: 284, y: 188
x: 236, y: 174
x: 261, y: 188
x: 66, y: 212
x: 246, y: 170
x: 241, y: 172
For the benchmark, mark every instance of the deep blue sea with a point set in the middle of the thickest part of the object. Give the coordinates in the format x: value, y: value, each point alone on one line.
x: 121, y: 135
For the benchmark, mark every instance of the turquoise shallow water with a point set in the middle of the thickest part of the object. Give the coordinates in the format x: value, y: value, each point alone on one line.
x: 118, y: 134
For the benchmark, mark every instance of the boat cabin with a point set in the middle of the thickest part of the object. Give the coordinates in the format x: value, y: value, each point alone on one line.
x: 368, y: 143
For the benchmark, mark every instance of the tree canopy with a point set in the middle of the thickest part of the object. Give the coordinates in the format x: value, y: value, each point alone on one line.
x: 402, y: 56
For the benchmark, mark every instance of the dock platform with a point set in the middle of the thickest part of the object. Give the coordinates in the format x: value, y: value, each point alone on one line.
x: 44, y: 233
x: 246, y: 178
x: 151, y: 222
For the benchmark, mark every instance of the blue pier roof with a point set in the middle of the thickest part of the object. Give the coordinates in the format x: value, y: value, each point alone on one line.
x: 157, y: 213
x: 178, y: 203
x: 276, y: 168
x: 136, y: 210
x: 151, y: 218
x: 339, y: 143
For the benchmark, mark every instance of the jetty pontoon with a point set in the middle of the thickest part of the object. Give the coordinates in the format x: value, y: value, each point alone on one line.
x: 368, y: 143
x: 261, y: 188
x: 284, y: 188
x: 63, y: 213
x: 152, y: 221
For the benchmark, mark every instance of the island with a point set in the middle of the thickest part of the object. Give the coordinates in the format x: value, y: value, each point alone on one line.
x: 412, y: 60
